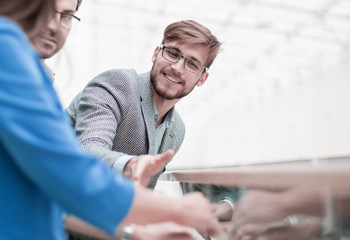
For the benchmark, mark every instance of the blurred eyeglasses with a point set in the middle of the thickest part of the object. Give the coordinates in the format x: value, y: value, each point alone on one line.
x: 67, y: 20
x: 173, y: 56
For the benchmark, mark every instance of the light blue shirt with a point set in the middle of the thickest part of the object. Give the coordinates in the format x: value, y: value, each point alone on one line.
x: 160, y: 130
x: 119, y: 165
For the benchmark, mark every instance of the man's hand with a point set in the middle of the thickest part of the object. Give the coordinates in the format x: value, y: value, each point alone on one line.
x: 162, y: 231
x: 223, y: 211
x: 142, y: 168
x: 257, y: 211
x: 200, y: 214
x: 309, y: 228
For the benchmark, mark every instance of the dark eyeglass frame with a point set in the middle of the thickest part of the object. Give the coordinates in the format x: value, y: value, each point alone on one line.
x: 203, y: 68
x: 69, y: 14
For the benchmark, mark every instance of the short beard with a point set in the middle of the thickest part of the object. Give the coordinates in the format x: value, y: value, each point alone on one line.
x: 162, y: 92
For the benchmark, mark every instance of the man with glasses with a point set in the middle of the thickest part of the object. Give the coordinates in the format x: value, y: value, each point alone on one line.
x: 126, y: 118
x: 52, y: 37
x: 129, y: 119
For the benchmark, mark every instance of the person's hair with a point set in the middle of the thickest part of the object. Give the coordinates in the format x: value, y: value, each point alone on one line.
x: 190, y: 31
x: 78, y: 4
x: 27, y: 13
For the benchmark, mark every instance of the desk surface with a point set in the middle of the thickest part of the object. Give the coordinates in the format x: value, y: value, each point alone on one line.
x: 281, y: 176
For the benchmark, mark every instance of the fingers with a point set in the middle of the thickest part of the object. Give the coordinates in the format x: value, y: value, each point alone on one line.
x: 149, y: 165
x: 250, y: 230
x: 214, y: 228
x: 245, y: 232
x: 223, y: 211
x: 161, y: 159
x: 211, y: 227
x: 200, y: 214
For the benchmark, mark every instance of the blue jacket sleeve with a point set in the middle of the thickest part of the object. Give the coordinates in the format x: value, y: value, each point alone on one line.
x: 38, y: 137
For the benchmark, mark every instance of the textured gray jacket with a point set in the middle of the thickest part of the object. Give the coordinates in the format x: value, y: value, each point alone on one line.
x: 114, y: 116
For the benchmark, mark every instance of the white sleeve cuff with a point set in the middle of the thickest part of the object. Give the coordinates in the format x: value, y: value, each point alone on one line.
x: 119, y: 165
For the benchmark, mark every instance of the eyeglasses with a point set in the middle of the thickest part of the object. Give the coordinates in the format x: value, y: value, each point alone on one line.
x: 67, y: 20
x: 173, y: 56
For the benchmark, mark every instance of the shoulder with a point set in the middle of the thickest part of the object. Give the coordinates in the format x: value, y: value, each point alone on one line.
x: 10, y: 27
x: 16, y: 50
x: 116, y: 79
x: 13, y: 36
x: 116, y: 86
x: 119, y: 75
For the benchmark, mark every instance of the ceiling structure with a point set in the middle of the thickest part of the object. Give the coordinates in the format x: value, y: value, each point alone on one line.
x: 269, y: 46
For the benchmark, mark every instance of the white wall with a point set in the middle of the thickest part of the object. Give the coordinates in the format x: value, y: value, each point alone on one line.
x: 311, y: 120
x: 235, y: 118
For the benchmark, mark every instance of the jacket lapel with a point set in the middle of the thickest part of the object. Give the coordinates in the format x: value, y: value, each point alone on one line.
x: 147, y: 109
x: 168, y: 140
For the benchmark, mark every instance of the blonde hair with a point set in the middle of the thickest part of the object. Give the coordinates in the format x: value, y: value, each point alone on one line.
x: 189, y: 31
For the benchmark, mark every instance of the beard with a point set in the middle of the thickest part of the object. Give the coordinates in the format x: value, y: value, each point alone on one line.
x: 163, y: 92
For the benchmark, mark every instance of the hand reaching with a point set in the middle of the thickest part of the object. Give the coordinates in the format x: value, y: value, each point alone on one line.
x: 309, y: 228
x: 256, y: 211
x: 200, y: 214
x: 223, y: 211
x: 142, y: 168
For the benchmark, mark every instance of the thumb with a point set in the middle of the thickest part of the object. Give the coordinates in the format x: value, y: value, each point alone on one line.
x: 164, y: 158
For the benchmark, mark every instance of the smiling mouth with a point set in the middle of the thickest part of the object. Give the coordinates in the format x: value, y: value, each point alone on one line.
x: 171, y: 79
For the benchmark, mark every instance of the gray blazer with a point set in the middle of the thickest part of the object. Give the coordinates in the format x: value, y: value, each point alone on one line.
x: 114, y: 116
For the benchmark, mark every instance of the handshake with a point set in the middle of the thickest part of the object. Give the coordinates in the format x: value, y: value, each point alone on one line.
x: 155, y: 216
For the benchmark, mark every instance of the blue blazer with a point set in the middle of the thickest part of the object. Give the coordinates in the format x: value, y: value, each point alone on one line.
x: 43, y: 171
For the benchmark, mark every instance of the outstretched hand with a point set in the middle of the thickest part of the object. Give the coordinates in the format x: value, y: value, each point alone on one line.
x: 200, y: 214
x: 223, y: 211
x: 257, y: 211
x: 140, y: 169
x: 309, y: 228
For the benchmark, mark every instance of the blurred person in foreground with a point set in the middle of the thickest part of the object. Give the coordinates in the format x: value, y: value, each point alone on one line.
x: 129, y: 120
x: 294, y: 214
x: 39, y: 152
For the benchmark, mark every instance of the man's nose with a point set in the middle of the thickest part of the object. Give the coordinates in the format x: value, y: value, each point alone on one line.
x: 54, y: 22
x: 179, y: 65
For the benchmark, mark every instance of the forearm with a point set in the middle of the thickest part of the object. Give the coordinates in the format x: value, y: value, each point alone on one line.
x: 306, y: 200
x: 342, y: 201
x: 148, y: 207
x: 192, y: 210
x: 100, y: 148
x: 151, y: 207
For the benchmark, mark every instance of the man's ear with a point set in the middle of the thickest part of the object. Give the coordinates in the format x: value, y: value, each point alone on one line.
x: 202, y: 80
x: 154, y: 56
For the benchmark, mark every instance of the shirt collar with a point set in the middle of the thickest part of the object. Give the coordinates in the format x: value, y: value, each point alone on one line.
x: 169, y: 117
